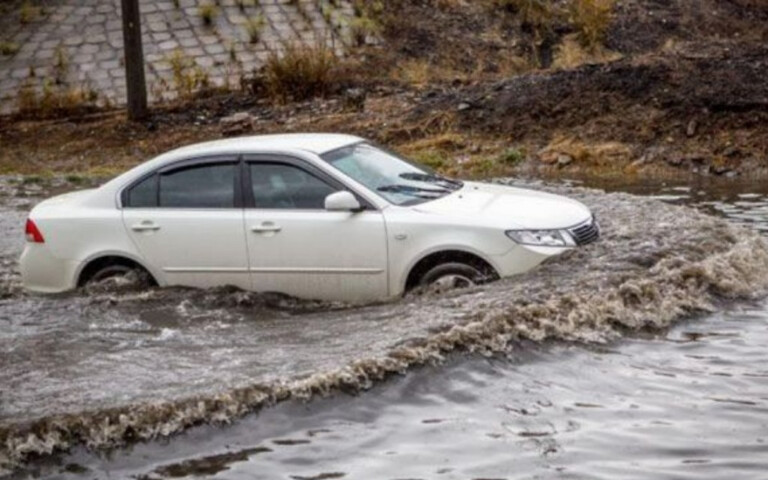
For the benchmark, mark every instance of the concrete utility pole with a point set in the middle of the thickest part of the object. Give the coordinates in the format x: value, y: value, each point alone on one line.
x: 134, y: 61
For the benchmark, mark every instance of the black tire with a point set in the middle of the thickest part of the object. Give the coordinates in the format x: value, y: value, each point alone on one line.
x: 120, y: 270
x: 453, y: 275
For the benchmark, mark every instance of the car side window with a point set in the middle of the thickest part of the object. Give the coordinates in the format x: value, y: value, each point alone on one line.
x: 143, y: 194
x: 203, y: 186
x: 284, y: 186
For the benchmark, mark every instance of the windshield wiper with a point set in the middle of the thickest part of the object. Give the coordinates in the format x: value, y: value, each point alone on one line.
x: 432, y: 178
x: 415, y: 191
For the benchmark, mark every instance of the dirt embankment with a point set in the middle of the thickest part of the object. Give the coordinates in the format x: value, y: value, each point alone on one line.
x: 694, y: 106
x: 675, y: 87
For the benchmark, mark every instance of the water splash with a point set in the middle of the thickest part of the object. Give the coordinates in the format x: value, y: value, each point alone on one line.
x: 657, y: 263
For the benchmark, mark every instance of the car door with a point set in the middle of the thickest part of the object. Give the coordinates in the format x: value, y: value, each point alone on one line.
x: 297, y: 247
x: 187, y: 222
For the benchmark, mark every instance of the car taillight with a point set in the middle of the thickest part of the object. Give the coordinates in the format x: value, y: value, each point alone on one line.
x: 32, y: 232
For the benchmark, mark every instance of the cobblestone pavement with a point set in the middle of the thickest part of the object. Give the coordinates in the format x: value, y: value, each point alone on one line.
x: 79, y: 43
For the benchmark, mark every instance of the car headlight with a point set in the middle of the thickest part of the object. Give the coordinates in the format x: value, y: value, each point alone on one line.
x: 541, y: 238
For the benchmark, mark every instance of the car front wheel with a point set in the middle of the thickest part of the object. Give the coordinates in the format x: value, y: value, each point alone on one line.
x: 448, y: 276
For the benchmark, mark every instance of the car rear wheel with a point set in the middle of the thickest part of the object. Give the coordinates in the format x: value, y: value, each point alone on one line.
x: 448, y: 276
x: 111, y: 271
x: 125, y: 275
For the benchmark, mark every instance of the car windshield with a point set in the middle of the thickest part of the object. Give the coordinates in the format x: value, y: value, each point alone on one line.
x: 394, y: 178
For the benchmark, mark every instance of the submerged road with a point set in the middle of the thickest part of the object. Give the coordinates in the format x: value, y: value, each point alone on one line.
x: 101, y: 366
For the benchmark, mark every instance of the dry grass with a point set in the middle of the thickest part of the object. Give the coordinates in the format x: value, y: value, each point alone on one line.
x: 545, y: 19
x: 473, y: 166
x: 372, y: 8
x: 301, y: 72
x: 459, y: 155
x: 598, y: 154
x: 188, y: 76
x: 510, y: 64
x: 571, y: 53
x: 55, y: 100
x: 72, y: 148
x: 421, y: 73
x: 591, y: 18
x: 363, y: 27
x: 401, y: 131
x: 27, y: 98
x: 8, y: 48
x: 254, y: 26
x: 414, y: 72
x: 56, y: 96
x: 28, y: 12
x: 449, y: 141
x: 435, y: 151
x: 540, y: 14
x: 208, y: 13
x: 445, y: 4
x: 456, y: 154
x: 61, y: 65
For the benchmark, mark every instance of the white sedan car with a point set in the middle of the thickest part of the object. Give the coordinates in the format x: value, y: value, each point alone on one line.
x: 329, y: 217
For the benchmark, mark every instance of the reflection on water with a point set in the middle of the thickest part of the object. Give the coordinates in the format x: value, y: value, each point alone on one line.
x: 688, y: 402
x: 741, y: 201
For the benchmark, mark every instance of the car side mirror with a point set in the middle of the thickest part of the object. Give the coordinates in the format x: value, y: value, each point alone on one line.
x: 342, y: 202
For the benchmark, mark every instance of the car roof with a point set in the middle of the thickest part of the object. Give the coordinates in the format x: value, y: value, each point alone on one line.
x: 317, y: 143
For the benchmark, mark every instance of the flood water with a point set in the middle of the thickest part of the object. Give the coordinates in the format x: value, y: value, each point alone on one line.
x: 642, y: 356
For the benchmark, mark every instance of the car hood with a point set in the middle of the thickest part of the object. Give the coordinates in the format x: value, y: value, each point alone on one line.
x: 509, y: 207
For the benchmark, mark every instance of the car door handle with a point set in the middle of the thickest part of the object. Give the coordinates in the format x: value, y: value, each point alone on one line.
x: 145, y: 226
x: 266, y: 227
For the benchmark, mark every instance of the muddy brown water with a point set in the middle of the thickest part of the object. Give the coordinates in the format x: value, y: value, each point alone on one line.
x: 642, y: 356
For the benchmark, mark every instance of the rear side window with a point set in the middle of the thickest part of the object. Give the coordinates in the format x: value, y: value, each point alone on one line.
x: 143, y: 194
x: 283, y: 186
x: 205, y: 186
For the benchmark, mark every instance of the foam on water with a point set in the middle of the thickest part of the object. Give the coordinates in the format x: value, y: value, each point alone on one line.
x: 145, y: 364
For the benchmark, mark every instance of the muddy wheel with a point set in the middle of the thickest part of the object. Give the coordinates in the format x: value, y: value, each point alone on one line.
x: 136, y: 276
x: 448, y: 276
x: 117, y: 268
x: 110, y: 271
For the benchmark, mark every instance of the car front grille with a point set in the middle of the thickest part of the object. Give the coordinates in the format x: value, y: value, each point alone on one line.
x: 586, y: 232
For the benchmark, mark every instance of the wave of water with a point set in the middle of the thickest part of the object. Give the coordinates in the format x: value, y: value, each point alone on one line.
x: 685, y: 402
x: 108, y: 368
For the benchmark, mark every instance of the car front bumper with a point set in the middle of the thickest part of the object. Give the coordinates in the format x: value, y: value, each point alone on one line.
x: 523, y: 258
